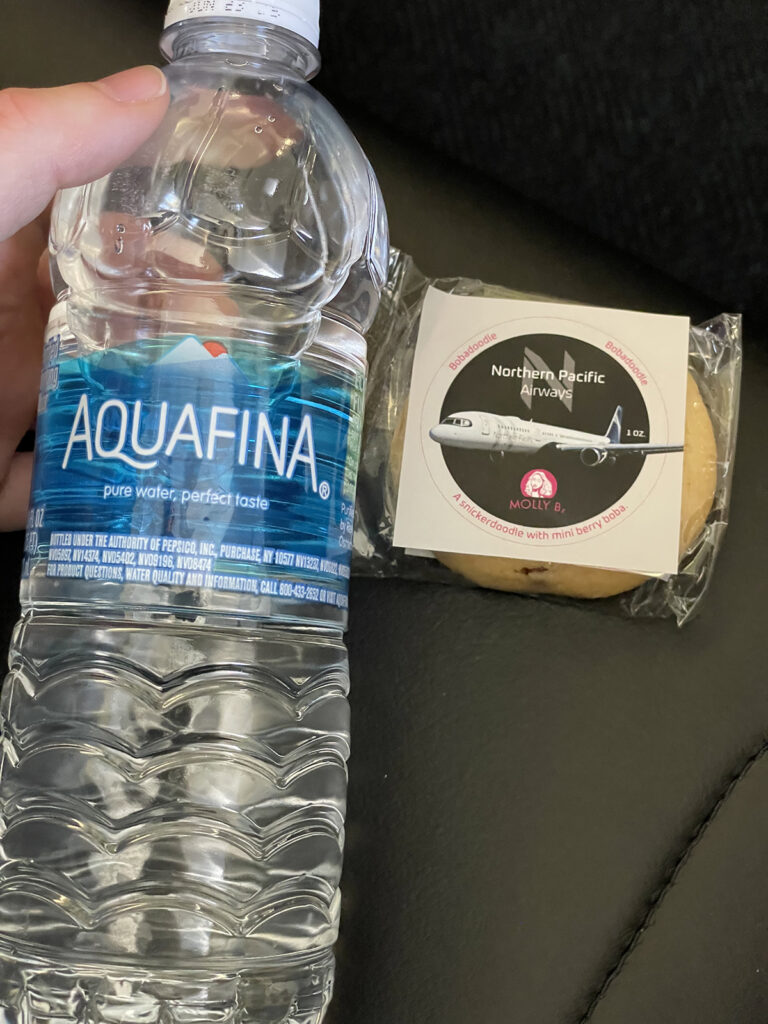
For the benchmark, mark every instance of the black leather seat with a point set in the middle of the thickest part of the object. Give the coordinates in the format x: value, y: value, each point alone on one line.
x: 581, y: 837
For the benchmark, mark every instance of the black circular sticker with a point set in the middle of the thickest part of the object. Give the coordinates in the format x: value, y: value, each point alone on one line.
x: 526, y: 427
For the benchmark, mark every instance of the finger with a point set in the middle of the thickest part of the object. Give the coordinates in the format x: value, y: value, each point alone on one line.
x: 22, y: 324
x: 14, y: 492
x: 45, y: 295
x: 77, y: 132
x: 57, y: 138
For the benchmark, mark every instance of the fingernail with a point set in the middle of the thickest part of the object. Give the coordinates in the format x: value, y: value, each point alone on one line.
x: 137, y: 85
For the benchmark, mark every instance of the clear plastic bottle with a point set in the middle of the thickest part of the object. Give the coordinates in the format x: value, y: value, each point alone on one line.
x: 175, y: 720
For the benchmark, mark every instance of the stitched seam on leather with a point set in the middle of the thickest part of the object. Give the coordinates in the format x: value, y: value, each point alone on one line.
x: 668, y: 881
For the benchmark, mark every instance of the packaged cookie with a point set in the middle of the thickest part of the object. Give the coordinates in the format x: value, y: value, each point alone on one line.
x: 522, y: 444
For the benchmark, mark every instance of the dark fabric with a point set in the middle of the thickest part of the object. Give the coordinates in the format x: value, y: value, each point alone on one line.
x: 643, y: 121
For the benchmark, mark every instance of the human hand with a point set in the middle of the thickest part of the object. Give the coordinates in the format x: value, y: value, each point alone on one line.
x: 50, y: 139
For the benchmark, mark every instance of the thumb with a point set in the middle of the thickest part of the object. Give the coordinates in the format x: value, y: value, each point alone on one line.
x: 57, y: 138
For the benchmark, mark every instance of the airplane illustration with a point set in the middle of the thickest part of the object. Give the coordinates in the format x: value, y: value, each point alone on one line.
x: 485, y: 431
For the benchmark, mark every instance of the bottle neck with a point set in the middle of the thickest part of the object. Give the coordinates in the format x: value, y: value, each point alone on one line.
x: 245, y: 42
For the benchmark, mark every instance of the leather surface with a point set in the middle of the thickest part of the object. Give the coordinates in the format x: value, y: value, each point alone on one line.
x: 556, y: 815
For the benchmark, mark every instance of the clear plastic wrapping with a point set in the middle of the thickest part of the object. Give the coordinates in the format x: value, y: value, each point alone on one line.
x: 714, y: 365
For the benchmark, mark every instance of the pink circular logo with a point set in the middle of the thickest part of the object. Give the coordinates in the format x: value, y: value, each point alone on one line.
x: 539, y: 483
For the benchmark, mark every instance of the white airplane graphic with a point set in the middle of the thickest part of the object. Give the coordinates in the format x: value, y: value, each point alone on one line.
x: 485, y: 431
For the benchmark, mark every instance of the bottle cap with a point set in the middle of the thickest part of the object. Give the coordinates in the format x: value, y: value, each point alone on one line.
x: 299, y: 16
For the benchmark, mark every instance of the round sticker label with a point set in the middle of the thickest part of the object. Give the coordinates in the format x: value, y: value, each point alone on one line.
x: 546, y: 430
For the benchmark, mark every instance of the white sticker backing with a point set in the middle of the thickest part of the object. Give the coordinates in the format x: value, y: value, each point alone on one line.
x: 545, y: 431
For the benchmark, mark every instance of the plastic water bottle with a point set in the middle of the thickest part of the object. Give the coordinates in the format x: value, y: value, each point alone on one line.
x: 175, y: 720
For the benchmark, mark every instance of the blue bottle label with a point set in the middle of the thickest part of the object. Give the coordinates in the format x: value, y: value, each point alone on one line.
x: 199, y: 464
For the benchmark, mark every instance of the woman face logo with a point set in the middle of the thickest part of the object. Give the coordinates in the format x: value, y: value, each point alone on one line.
x: 539, y: 483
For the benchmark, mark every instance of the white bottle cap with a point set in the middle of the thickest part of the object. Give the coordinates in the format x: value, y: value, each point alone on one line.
x: 299, y: 16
